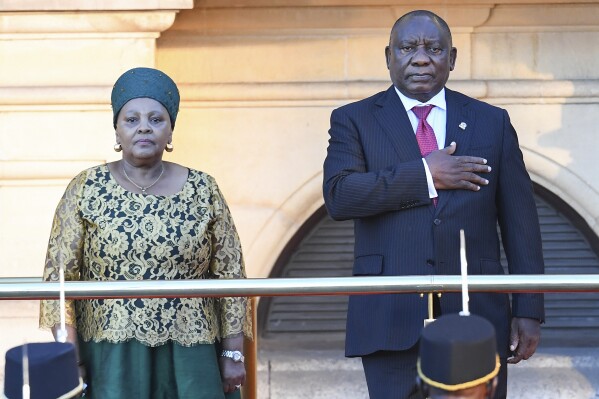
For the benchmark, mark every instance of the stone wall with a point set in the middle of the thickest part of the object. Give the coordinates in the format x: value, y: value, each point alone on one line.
x: 258, y: 81
x: 57, y: 66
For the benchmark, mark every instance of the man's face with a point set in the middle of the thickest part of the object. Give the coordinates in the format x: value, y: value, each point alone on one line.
x: 420, y: 57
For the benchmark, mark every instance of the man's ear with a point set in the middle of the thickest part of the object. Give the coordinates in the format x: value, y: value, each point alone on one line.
x: 453, y: 55
x: 387, y: 55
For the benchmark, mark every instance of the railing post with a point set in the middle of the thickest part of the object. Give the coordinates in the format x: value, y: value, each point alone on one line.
x: 250, y: 388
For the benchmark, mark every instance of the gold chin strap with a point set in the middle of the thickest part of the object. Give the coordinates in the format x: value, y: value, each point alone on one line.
x: 464, y: 385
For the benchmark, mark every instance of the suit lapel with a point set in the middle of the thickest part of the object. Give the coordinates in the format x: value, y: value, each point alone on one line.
x: 395, y: 123
x: 459, y: 128
x: 460, y: 121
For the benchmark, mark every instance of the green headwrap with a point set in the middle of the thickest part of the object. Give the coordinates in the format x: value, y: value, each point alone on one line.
x: 145, y: 82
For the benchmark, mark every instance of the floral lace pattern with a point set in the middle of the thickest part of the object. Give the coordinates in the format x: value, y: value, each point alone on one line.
x: 102, y: 232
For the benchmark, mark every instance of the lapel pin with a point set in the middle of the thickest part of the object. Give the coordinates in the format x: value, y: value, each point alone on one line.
x: 463, y: 125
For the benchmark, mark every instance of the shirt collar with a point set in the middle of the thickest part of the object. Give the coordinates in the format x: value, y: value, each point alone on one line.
x: 438, y: 100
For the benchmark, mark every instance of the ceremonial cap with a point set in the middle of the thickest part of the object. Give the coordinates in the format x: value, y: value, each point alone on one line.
x: 52, y: 371
x: 145, y: 82
x: 458, y: 352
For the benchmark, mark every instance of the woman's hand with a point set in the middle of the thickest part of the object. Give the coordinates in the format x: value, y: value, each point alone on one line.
x: 232, y: 373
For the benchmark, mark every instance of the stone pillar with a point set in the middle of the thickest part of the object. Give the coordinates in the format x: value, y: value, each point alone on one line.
x: 58, y: 61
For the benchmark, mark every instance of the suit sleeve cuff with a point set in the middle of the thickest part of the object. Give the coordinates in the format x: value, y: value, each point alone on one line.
x: 432, y: 191
x: 531, y: 306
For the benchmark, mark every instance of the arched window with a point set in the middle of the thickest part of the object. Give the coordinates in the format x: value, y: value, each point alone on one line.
x: 324, y: 248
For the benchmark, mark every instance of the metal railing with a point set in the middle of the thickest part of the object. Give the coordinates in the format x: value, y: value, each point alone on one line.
x: 33, y: 288
x: 30, y: 288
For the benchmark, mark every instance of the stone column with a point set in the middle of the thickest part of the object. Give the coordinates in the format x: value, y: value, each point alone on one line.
x: 58, y: 61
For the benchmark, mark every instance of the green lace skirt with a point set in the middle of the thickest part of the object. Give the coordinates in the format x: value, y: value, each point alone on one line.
x: 132, y: 370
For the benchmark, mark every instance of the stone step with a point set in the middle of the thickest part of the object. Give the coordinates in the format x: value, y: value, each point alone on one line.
x: 293, y: 369
x: 553, y: 373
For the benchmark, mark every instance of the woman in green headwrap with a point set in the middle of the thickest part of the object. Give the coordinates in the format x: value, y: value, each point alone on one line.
x: 142, y: 218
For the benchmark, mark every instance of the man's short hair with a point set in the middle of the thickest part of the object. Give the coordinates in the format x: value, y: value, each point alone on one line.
x: 417, y: 13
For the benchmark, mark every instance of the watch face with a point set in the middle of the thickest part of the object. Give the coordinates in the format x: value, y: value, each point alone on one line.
x: 236, y: 356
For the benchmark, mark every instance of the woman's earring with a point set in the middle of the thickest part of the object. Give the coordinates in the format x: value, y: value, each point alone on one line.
x: 169, y: 147
x: 117, y: 147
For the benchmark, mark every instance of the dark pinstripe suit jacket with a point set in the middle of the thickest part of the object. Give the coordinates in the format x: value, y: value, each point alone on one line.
x: 373, y: 174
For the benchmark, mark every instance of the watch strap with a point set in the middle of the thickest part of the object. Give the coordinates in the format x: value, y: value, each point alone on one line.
x: 236, y: 356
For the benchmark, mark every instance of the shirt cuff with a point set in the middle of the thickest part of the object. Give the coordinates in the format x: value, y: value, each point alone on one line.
x: 432, y: 191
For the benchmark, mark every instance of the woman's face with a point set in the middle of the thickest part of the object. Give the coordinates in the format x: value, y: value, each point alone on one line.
x: 143, y: 129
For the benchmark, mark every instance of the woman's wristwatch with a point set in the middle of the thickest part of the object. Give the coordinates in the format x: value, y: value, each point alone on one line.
x: 237, y: 356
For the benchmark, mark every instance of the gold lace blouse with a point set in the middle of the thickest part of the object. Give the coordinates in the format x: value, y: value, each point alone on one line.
x: 102, y: 232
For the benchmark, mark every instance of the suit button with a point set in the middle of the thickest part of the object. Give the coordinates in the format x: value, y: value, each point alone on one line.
x: 430, y: 262
x: 437, y: 222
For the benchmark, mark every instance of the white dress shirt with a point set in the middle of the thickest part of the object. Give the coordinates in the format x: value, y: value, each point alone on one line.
x: 437, y: 118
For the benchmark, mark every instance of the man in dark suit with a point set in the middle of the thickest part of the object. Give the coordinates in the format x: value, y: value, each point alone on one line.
x: 409, y: 201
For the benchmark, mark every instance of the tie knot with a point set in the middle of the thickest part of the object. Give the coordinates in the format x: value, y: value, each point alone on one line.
x: 422, y: 112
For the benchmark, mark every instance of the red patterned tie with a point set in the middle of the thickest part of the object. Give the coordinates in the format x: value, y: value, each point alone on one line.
x: 425, y: 135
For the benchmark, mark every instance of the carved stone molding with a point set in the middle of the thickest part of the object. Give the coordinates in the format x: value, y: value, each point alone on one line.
x: 13, y: 171
x: 26, y: 24
x: 313, y: 20
x: 97, y: 97
x: 93, y: 5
